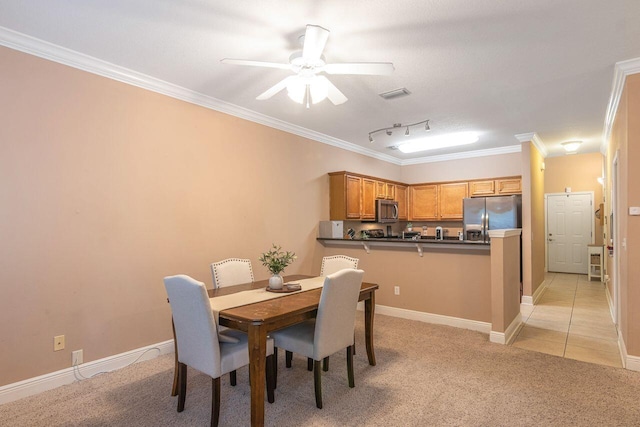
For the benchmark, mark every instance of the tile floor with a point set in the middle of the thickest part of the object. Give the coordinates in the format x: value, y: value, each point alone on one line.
x: 572, y: 320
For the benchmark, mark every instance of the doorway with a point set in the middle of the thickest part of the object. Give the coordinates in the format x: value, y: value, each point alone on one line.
x: 569, y: 231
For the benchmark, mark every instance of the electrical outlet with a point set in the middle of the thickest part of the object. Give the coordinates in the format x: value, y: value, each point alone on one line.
x: 58, y: 343
x: 396, y: 290
x: 76, y: 358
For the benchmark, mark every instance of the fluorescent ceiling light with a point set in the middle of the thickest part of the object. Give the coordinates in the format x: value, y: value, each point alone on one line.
x: 440, y: 141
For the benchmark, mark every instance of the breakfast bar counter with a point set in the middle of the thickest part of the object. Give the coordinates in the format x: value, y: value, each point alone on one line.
x: 419, y: 245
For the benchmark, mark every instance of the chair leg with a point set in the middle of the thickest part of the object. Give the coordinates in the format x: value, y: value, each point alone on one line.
x: 275, y: 367
x: 233, y: 378
x: 270, y: 379
x: 174, y: 387
x: 354, y: 343
x: 215, y: 401
x: 352, y: 383
x: 182, y: 385
x: 317, y: 382
x: 288, y: 356
x: 309, y: 364
x: 325, y: 364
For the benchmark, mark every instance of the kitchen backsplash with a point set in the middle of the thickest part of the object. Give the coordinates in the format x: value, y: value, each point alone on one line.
x: 451, y: 228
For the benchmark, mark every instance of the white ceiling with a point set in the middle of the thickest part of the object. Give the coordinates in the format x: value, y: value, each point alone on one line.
x: 500, y: 68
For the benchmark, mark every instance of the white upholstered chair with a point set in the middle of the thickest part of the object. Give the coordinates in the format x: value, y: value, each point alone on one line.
x: 231, y: 271
x: 331, y: 330
x: 335, y: 263
x: 198, y: 344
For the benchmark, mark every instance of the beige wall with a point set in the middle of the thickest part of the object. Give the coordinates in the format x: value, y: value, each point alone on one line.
x: 580, y: 172
x: 533, y: 238
x: 463, y: 169
x: 624, y: 145
x: 433, y: 283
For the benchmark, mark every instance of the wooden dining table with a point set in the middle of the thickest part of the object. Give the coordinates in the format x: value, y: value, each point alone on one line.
x: 260, y: 318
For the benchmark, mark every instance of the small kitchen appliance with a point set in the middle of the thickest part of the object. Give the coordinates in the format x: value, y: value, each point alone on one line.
x: 331, y: 230
x: 439, y: 233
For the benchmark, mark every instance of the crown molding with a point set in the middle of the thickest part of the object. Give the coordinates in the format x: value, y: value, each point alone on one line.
x: 463, y: 155
x: 61, y: 55
x: 49, y: 51
x: 535, y: 140
x: 621, y: 70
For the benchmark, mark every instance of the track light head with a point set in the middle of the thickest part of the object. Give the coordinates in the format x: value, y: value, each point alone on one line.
x: 406, y: 133
x: 426, y: 126
x: 370, y: 138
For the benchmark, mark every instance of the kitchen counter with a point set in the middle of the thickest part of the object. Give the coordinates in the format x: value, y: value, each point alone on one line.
x: 421, y: 244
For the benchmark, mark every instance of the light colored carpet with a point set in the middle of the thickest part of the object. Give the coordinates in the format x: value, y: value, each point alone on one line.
x: 427, y: 375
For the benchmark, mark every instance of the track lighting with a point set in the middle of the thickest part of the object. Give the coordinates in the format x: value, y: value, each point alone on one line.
x: 407, y: 132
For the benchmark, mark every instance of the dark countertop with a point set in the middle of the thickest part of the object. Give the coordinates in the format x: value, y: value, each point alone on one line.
x: 428, y: 239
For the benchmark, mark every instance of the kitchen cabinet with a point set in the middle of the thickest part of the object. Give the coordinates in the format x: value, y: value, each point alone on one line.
x: 403, y: 202
x: 495, y: 187
x: 385, y: 190
x: 508, y: 186
x: 450, y: 198
x: 345, y: 196
x: 368, y: 206
x: 423, y: 202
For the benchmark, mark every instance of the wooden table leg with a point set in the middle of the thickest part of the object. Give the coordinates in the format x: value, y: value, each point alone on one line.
x: 369, y: 307
x: 174, y: 388
x: 257, y: 335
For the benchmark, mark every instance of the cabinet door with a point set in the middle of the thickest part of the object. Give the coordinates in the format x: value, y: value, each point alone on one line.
x: 381, y: 190
x: 368, y: 199
x: 509, y: 186
x: 353, y: 196
x: 482, y: 188
x: 401, y: 198
x: 423, y: 202
x: 391, y: 191
x: 450, y: 200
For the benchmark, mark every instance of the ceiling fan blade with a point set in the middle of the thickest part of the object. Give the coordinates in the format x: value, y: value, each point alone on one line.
x: 256, y: 63
x: 333, y: 93
x: 368, y: 68
x: 314, y: 40
x: 275, y: 88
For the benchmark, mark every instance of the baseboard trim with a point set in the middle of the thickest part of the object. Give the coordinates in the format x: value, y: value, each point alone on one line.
x: 507, y: 336
x: 533, y: 299
x: 632, y: 363
x: 31, y: 386
x: 437, y: 319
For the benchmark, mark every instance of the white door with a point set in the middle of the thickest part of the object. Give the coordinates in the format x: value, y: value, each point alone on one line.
x: 569, y: 231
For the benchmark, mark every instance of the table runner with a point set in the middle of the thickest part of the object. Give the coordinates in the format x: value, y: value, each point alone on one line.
x: 238, y: 299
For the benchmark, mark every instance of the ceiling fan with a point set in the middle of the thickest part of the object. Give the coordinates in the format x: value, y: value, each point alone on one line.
x: 307, y: 85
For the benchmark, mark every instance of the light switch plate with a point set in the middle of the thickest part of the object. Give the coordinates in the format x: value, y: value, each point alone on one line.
x: 634, y: 210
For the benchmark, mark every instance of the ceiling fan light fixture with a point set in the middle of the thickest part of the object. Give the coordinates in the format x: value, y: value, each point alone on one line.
x: 440, y: 141
x: 297, y: 90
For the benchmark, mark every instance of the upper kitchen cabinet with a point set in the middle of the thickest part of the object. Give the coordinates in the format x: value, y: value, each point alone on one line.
x: 495, y: 187
x: 403, y: 202
x: 368, y: 207
x: 385, y: 190
x: 345, y: 196
x: 450, y: 199
x: 351, y: 197
x: 423, y: 202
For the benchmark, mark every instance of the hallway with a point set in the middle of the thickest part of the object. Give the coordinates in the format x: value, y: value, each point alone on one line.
x: 571, y: 320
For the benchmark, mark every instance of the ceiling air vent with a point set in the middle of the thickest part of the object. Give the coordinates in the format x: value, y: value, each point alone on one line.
x: 396, y: 93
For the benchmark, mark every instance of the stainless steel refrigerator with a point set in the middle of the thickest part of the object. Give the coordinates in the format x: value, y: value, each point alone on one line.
x: 482, y: 214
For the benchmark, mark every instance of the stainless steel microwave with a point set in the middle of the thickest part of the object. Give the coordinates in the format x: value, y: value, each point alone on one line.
x: 386, y: 211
